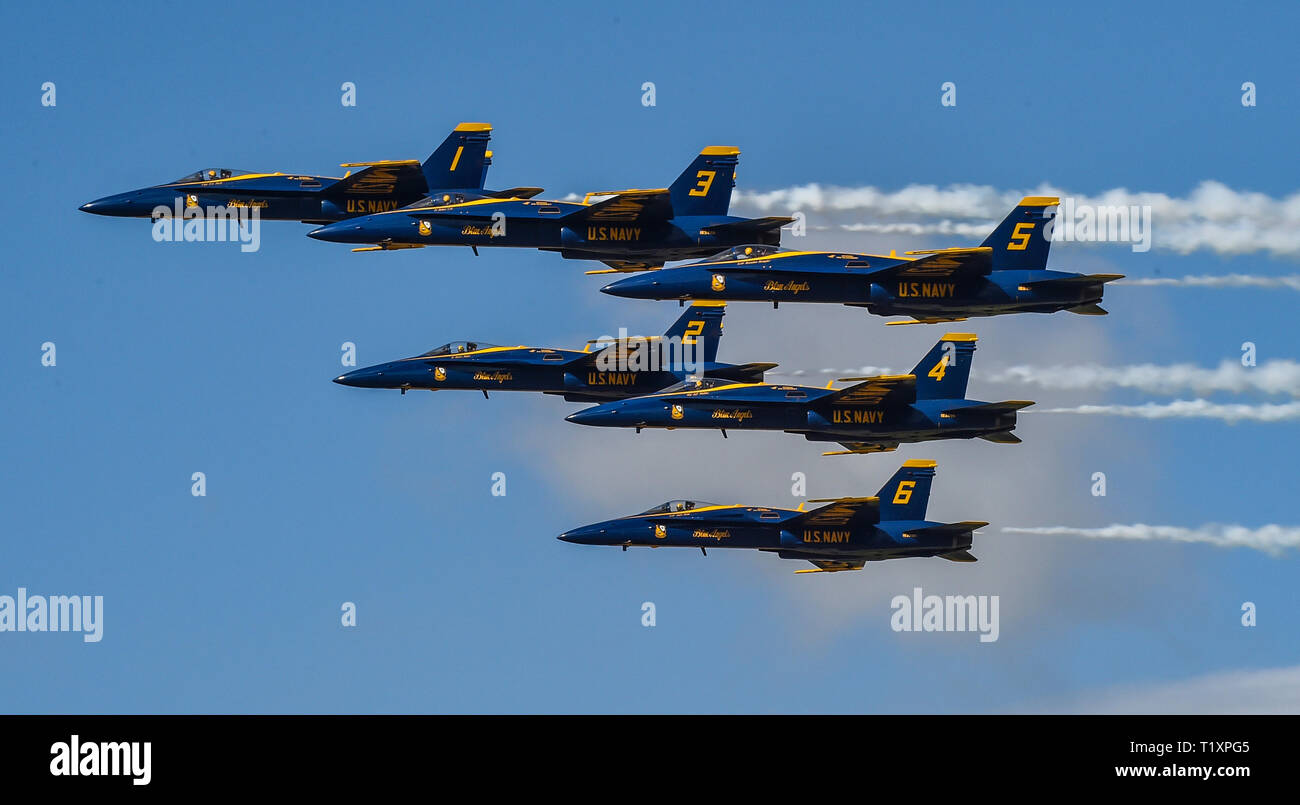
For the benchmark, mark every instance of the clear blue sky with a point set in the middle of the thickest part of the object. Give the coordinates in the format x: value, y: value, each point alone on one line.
x: 177, y: 358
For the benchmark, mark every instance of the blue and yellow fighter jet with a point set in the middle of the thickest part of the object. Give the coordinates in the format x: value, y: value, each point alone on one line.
x: 456, y: 171
x: 1007, y: 273
x: 608, y: 369
x: 844, y: 534
x: 874, y: 415
x: 631, y: 230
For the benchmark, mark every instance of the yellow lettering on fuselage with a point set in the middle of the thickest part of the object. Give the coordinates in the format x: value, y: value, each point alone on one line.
x: 857, y: 416
x: 366, y: 206
x: 787, y: 287
x: 838, y: 537
x: 928, y: 290
x: 611, y: 378
x: 716, y: 534
x: 618, y: 233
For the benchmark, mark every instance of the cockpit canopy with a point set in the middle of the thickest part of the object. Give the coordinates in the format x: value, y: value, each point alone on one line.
x: 677, y: 506
x: 209, y: 174
x: 456, y: 348
x: 748, y: 251
x: 692, y: 383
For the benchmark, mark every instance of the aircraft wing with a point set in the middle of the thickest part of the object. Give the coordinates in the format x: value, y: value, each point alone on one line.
x: 840, y: 511
x: 863, y: 448
x: 626, y: 267
x: 885, y: 389
x: 513, y: 192
x: 623, y: 349
x: 390, y: 177
x: 629, y: 206
x: 939, y: 264
x: 827, y: 566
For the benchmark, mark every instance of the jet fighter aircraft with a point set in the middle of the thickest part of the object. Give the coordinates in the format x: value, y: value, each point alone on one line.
x: 844, y: 534
x: 874, y: 415
x: 456, y: 171
x: 609, y: 369
x: 631, y: 230
x: 1007, y: 273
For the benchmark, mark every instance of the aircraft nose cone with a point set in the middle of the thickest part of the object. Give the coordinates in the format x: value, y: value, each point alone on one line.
x: 109, y: 205
x: 340, y: 232
x: 586, y: 535
x: 368, y: 378
x: 587, y: 416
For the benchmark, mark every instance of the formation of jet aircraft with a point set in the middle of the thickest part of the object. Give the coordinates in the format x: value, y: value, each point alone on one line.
x: 675, y: 380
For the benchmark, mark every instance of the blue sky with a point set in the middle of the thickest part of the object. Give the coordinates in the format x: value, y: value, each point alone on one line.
x: 177, y: 358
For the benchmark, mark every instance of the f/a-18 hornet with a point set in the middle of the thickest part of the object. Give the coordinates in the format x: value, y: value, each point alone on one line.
x: 844, y: 534
x: 1007, y: 273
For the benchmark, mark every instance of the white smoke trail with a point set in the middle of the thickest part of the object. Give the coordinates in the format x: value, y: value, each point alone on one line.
x: 1188, y: 409
x: 1213, y: 216
x: 1271, y: 539
x: 1220, y: 281
x: 1270, y: 377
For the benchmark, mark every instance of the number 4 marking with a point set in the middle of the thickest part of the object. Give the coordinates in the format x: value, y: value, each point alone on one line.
x: 939, y: 369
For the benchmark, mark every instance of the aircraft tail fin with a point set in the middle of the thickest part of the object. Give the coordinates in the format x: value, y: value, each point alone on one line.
x: 704, y: 188
x: 461, y: 162
x: 943, y: 372
x: 700, y: 331
x: 906, y: 495
x: 1021, y: 240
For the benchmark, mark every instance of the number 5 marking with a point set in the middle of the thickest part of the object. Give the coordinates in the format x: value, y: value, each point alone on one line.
x: 1020, y: 237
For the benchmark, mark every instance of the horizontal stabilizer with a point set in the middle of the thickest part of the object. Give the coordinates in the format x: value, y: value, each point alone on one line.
x: 958, y: 556
x: 1088, y: 310
x: 738, y: 229
x: 1004, y: 407
x: 946, y: 530
x: 1077, y: 279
